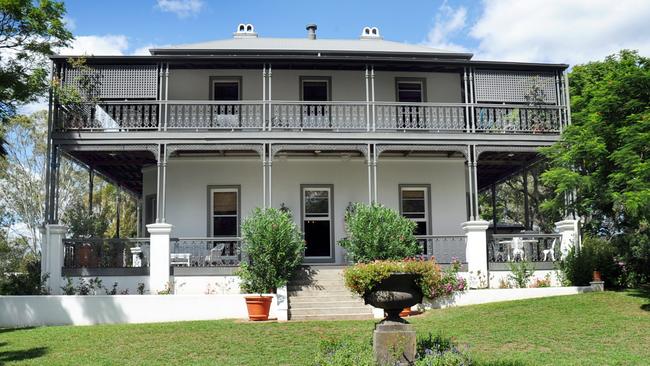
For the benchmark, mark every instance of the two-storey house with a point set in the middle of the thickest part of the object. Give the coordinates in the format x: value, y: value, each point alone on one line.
x: 204, y: 133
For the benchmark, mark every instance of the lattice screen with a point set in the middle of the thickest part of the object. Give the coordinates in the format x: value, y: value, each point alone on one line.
x: 512, y: 86
x: 121, y: 81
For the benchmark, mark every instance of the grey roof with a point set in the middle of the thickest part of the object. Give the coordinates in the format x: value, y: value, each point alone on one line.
x: 304, y: 45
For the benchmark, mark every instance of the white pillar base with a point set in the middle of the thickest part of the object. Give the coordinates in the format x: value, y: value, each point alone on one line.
x: 159, y: 257
x: 476, y: 250
x: 569, y: 231
x: 53, y: 256
x: 283, y: 304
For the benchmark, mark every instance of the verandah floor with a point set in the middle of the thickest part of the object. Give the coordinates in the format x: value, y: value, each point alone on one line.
x: 607, y: 328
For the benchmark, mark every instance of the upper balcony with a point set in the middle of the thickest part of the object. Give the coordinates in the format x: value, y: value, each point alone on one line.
x: 271, y: 85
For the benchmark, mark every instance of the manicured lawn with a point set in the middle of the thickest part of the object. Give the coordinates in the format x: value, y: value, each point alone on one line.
x: 610, y: 328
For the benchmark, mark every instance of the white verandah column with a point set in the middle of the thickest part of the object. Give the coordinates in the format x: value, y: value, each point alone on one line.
x: 476, y: 250
x: 53, y: 256
x: 159, y: 252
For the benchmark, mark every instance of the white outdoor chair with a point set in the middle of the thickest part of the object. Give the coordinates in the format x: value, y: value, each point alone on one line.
x: 550, y: 251
x: 518, y: 249
x: 216, y: 254
x: 499, y: 252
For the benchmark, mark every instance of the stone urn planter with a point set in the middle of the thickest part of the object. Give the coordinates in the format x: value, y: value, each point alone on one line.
x: 395, y: 293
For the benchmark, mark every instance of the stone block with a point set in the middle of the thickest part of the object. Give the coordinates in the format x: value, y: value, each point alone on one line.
x: 394, y: 343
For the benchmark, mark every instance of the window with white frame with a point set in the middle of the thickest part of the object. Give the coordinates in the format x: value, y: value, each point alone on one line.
x: 317, y: 221
x: 414, y: 204
x: 410, y: 91
x: 224, y: 212
x: 226, y: 89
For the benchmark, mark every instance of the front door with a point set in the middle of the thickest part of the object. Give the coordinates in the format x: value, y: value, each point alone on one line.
x: 317, y: 210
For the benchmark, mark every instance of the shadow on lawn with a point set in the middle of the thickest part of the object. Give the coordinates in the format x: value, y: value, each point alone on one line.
x: 643, y: 293
x: 20, y: 355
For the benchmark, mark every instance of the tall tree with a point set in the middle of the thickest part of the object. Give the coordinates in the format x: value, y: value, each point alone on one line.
x: 602, y: 158
x: 22, y: 177
x: 29, y: 32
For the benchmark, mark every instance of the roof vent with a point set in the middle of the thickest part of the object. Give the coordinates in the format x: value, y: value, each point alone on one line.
x: 311, y: 31
x: 370, y: 33
x: 245, y: 31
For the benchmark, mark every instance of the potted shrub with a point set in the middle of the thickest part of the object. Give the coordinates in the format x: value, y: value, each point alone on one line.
x: 380, y: 234
x: 274, y: 249
x: 393, y: 285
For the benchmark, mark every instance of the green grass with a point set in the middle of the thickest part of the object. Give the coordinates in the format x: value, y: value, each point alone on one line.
x: 610, y: 328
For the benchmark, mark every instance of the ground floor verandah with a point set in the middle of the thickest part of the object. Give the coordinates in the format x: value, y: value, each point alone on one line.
x: 205, y: 191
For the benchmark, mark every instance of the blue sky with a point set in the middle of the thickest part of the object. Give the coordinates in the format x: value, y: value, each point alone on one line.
x: 569, y: 31
x: 146, y: 23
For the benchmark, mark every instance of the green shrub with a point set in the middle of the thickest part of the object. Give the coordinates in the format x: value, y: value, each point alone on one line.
x: 430, y: 351
x: 274, y: 247
x: 440, y: 351
x: 596, y: 254
x: 363, y: 277
x: 376, y: 232
x: 26, y: 280
x: 521, y: 273
x: 344, y: 353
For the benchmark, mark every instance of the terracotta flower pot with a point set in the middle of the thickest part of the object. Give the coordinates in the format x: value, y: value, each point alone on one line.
x: 597, y: 276
x: 405, y: 312
x: 258, y: 307
x: 395, y: 293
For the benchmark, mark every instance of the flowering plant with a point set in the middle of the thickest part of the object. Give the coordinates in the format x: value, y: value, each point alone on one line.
x: 362, y: 278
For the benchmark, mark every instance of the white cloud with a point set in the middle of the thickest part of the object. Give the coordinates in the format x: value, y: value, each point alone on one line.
x: 97, y: 45
x: 182, y: 8
x: 573, y: 31
x: 448, y: 22
x: 144, y: 50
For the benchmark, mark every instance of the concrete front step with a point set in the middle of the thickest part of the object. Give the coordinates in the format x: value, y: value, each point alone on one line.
x: 317, y: 287
x: 319, y: 282
x: 312, y: 292
x: 327, y: 304
x: 331, y: 317
x: 332, y: 310
x: 324, y: 298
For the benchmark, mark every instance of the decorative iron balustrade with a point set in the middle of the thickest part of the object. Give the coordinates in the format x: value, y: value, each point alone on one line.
x: 444, y: 248
x: 116, y: 116
x: 110, y: 116
x: 319, y: 115
x: 205, y: 252
x: 420, y: 116
x: 231, y: 115
x: 106, y: 253
x: 524, y: 247
x: 518, y: 118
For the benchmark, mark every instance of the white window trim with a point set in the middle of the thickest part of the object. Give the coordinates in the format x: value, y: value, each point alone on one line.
x: 221, y: 80
x: 306, y: 216
x: 425, y: 219
x: 213, y: 216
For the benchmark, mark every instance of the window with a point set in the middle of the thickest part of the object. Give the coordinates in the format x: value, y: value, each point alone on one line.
x: 315, y: 90
x: 414, y: 204
x: 317, y: 220
x: 224, y: 212
x: 410, y: 91
x: 224, y: 89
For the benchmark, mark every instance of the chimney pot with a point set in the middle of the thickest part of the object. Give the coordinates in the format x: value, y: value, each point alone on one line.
x: 311, y: 31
